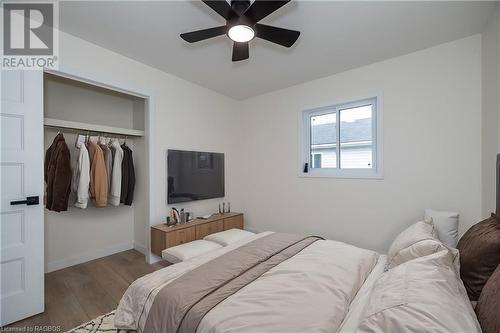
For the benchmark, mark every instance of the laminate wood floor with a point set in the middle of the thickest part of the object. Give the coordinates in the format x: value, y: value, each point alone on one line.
x: 77, y: 294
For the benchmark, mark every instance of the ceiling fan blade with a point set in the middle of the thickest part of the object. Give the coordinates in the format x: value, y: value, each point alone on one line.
x: 261, y: 8
x: 284, y: 37
x: 221, y: 7
x: 196, y: 36
x: 240, y: 51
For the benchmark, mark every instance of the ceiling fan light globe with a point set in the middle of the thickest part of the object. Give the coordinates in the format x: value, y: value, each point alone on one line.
x: 241, y: 33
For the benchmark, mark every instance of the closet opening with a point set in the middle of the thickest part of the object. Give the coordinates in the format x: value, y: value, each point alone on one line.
x: 82, y: 113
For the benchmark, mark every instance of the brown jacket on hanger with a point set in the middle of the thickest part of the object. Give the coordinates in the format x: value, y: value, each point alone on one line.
x: 57, y: 169
x: 98, y: 176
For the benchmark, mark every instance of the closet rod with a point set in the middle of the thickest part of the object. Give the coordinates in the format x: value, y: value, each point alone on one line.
x: 93, y: 128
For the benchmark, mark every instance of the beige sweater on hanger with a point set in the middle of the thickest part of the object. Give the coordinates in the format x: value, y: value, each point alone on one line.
x: 98, y: 176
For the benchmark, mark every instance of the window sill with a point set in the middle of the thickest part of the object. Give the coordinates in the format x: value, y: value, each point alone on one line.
x: 343, y: 174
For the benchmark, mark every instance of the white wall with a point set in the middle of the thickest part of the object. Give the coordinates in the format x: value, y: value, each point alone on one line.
x: 185, y: 116
x: 431, y: 103
x: 432, y: 141
x: 491, y: 109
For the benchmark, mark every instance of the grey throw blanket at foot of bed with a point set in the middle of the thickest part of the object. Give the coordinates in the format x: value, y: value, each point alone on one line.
x: 180, y: 305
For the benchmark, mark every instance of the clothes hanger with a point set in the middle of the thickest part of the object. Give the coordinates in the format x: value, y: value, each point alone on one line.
x: 76, y: 140
x: 102, y: 139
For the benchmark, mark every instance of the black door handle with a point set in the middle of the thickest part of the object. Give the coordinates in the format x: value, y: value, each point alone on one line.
x: 30, y: 201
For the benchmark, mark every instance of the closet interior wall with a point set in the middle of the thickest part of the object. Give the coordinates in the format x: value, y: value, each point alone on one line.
x: 79, y: 235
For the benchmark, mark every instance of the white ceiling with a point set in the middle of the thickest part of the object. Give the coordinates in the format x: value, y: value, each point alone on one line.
x: 335, y: 36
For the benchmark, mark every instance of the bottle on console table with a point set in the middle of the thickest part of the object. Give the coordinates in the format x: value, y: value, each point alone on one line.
x: 182, y: 216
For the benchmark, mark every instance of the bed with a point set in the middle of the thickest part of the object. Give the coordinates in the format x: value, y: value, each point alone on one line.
x: 317, y: 286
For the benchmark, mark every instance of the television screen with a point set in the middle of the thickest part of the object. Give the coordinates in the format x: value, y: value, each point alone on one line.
x: 194, y: 175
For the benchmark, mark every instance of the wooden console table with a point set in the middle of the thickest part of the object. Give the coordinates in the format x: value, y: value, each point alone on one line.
x: 163, y: 237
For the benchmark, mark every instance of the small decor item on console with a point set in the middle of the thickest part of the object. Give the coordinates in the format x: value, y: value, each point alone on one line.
x: 170, y: 222
x: 174, y: 215
x: 222, y: 209
x: 183, y: 216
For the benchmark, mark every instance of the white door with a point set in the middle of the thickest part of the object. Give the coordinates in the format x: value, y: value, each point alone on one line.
x: 21, y: 168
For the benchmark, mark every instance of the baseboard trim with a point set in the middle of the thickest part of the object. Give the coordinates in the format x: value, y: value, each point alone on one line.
x: 154, y: 258
x: 141, y: 248
x: 87, y: 256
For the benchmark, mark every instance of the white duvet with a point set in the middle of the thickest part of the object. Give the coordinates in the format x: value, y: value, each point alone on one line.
x: 328, y: 287
x: 310, y: 292
x: 421, y: 295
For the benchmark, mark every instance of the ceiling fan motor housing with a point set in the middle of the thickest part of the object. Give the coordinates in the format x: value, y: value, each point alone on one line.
x: 240, y: 6
x: 242, y: 20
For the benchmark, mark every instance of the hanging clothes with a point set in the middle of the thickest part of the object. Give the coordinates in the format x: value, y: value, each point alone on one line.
x: 128, y: 176
x: 98, y: 177
x: 108, y: 162
x: 116, y: 176
x: 81, y: 176
x: 57, y: 174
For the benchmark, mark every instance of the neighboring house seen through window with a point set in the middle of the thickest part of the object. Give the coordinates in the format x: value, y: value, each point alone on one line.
x: 341, y: 140
x: 316, y: 161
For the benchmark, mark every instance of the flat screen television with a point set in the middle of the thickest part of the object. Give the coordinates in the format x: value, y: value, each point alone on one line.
x: 194, y: 175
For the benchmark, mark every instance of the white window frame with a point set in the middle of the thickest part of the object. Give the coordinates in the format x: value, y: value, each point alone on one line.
x: 376, y: 172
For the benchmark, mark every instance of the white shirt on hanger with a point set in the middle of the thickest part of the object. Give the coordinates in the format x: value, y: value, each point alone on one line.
x: 116, y: 178
x: 81, y: 176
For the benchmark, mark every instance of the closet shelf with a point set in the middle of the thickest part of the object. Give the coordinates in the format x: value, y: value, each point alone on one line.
x: 57, y: 123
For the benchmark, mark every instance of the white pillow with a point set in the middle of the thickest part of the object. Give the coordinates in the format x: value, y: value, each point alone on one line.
x: 228, y: 237
x: 446, y: 224
x: 418, y: 240
x: 189, y: 250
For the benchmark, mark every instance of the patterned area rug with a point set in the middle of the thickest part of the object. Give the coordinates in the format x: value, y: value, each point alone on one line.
x: 102, y: 323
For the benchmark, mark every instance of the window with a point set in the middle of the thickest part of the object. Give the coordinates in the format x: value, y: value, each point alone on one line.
x: 342, y: 140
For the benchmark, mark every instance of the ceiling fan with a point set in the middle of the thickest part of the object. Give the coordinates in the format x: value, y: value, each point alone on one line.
x: 241, y: 25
